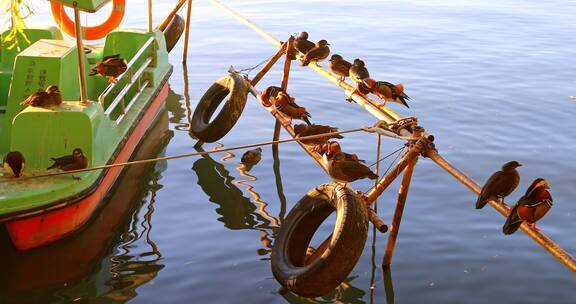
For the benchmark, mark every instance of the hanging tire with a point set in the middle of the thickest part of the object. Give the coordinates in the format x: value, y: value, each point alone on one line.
x: 231, y: 88
x: 323, y: 275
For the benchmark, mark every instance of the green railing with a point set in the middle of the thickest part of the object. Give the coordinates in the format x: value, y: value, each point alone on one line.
x: 134, y: 77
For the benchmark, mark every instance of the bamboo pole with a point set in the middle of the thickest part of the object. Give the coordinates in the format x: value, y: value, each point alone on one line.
x: 386, y: 114
x: 80, y: 50
x: 149, y: 15
x: 171, y: 15
x: 399, y: 211
x: 187, y: 33
x: 285, y: 77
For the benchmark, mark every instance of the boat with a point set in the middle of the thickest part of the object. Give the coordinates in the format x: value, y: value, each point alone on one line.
x: 105, y: 119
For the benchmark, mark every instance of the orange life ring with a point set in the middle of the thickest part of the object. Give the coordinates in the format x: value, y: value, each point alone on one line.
x: 91, y: 32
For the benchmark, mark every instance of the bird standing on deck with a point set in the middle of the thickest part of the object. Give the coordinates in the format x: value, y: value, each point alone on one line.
x: 318, y: 53
x: 500, y: 184
x: 285, y: 104
x: 302, y: 130
x: 346, y: 171
x: 14, y: 163
x: 387, y: 91
x: 530, y: 208
x: 252, y: 157
x: 302, y: 44
x: 339, y: 66
x: 50, y: 97
x: 111, y: 66
x: 76, y: 161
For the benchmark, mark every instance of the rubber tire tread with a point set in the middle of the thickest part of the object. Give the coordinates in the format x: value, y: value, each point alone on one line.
x: 349, y: 236
x: 207, y: 131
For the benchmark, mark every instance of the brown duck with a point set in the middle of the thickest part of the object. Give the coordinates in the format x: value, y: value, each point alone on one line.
x: 530, y: 208
x: 387, y: 91
x: 302, y: 130
x: 14, y: 163
x: 302, y: 44
x: 252, y: 157
x: 318, y: 53
x: 500, y: 184
x: 346, y: 171
x: 50, y: 97
x: 111, y: 66
x: 76, y: 161
x: 285, y: 104
x: 339, y: 66
x: 267, y: 96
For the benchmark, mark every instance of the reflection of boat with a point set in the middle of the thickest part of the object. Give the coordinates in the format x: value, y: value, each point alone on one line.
x: 87, y: 258
x: 106, y: 120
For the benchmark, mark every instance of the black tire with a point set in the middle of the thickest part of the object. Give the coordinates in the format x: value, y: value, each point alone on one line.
x: 347, y: 243
x: 235, y: 88
x: 173, y: 32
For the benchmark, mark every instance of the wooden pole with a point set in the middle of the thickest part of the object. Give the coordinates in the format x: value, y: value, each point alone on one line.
x: 168, y: 18
x: 187, y: 33
x: 388, y: 115
x: 149, y: 15
x: 401, y: 202
x: 80, y: 49
x: 269, y: 65
x: 285, y: 77
x: 534, y: 233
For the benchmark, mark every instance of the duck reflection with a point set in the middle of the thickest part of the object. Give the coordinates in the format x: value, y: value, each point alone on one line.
x: 109, y: 258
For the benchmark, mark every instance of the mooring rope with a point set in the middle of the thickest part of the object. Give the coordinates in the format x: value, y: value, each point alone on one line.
x: 218, y: 150
x: 246, y: 71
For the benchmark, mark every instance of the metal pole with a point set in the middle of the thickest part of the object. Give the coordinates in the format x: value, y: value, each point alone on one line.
x: 149, y: 15
x: 397, y: 219
x: 187, y: 33
x: 80, y: 49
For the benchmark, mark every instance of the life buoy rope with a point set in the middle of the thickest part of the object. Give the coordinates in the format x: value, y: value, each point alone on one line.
x: 90, y: 32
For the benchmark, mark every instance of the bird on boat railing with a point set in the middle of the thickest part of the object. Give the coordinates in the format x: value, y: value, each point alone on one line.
x: 50, y: 97
x: 76, y: 161
x: 358, y: 71
x: 500, y: 184
x: 14, y: 163
x: 339, y: 66
x: 531, y: 207
x: 346, y: 171
x: 282, y: 102
x: 268, y: 94
x: 111, y: 66
x: 387, y: 91
x: 302, y: 130
x: 302, y: 44
x: 318, y: 53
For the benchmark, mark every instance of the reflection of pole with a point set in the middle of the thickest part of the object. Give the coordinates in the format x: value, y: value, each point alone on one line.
x: 187, y: 33
x: 279, y: 187
x: 80, y: 49
x: 402, y: 195
x: 388, y: 286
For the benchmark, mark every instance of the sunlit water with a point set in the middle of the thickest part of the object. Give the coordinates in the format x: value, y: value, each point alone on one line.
x: 490, y: 79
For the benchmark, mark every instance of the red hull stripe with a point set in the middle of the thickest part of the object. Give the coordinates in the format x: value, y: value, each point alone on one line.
x: 54, y: 225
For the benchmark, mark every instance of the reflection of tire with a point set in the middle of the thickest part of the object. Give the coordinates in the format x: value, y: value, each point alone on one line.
x: 334, y: 265
x: 232, y: 88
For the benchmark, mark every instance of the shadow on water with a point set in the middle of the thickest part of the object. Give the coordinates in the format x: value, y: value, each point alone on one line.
x: 110, y: 257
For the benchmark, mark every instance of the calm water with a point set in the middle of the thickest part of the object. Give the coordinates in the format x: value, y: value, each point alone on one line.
x: 489, y: 79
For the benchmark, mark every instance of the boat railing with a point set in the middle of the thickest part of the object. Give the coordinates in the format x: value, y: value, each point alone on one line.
x: 134, y: 76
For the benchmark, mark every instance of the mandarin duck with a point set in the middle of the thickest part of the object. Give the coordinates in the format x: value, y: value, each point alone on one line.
x: 387, y: 91
x: 14, y: 163
x: 346, y: 171
x: 76, y: 161
x: 50, y: 97
x: 266, y: 97
x: 318, y: 53
x: 302, y: 44
x: 302, y: 130
x: 500, y: 184
x: 339, y: 66
x: 111, y: 66
x: 328, y: 149
x: 252, y: 157
x: 530, y: 208
x: 285, y: 104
